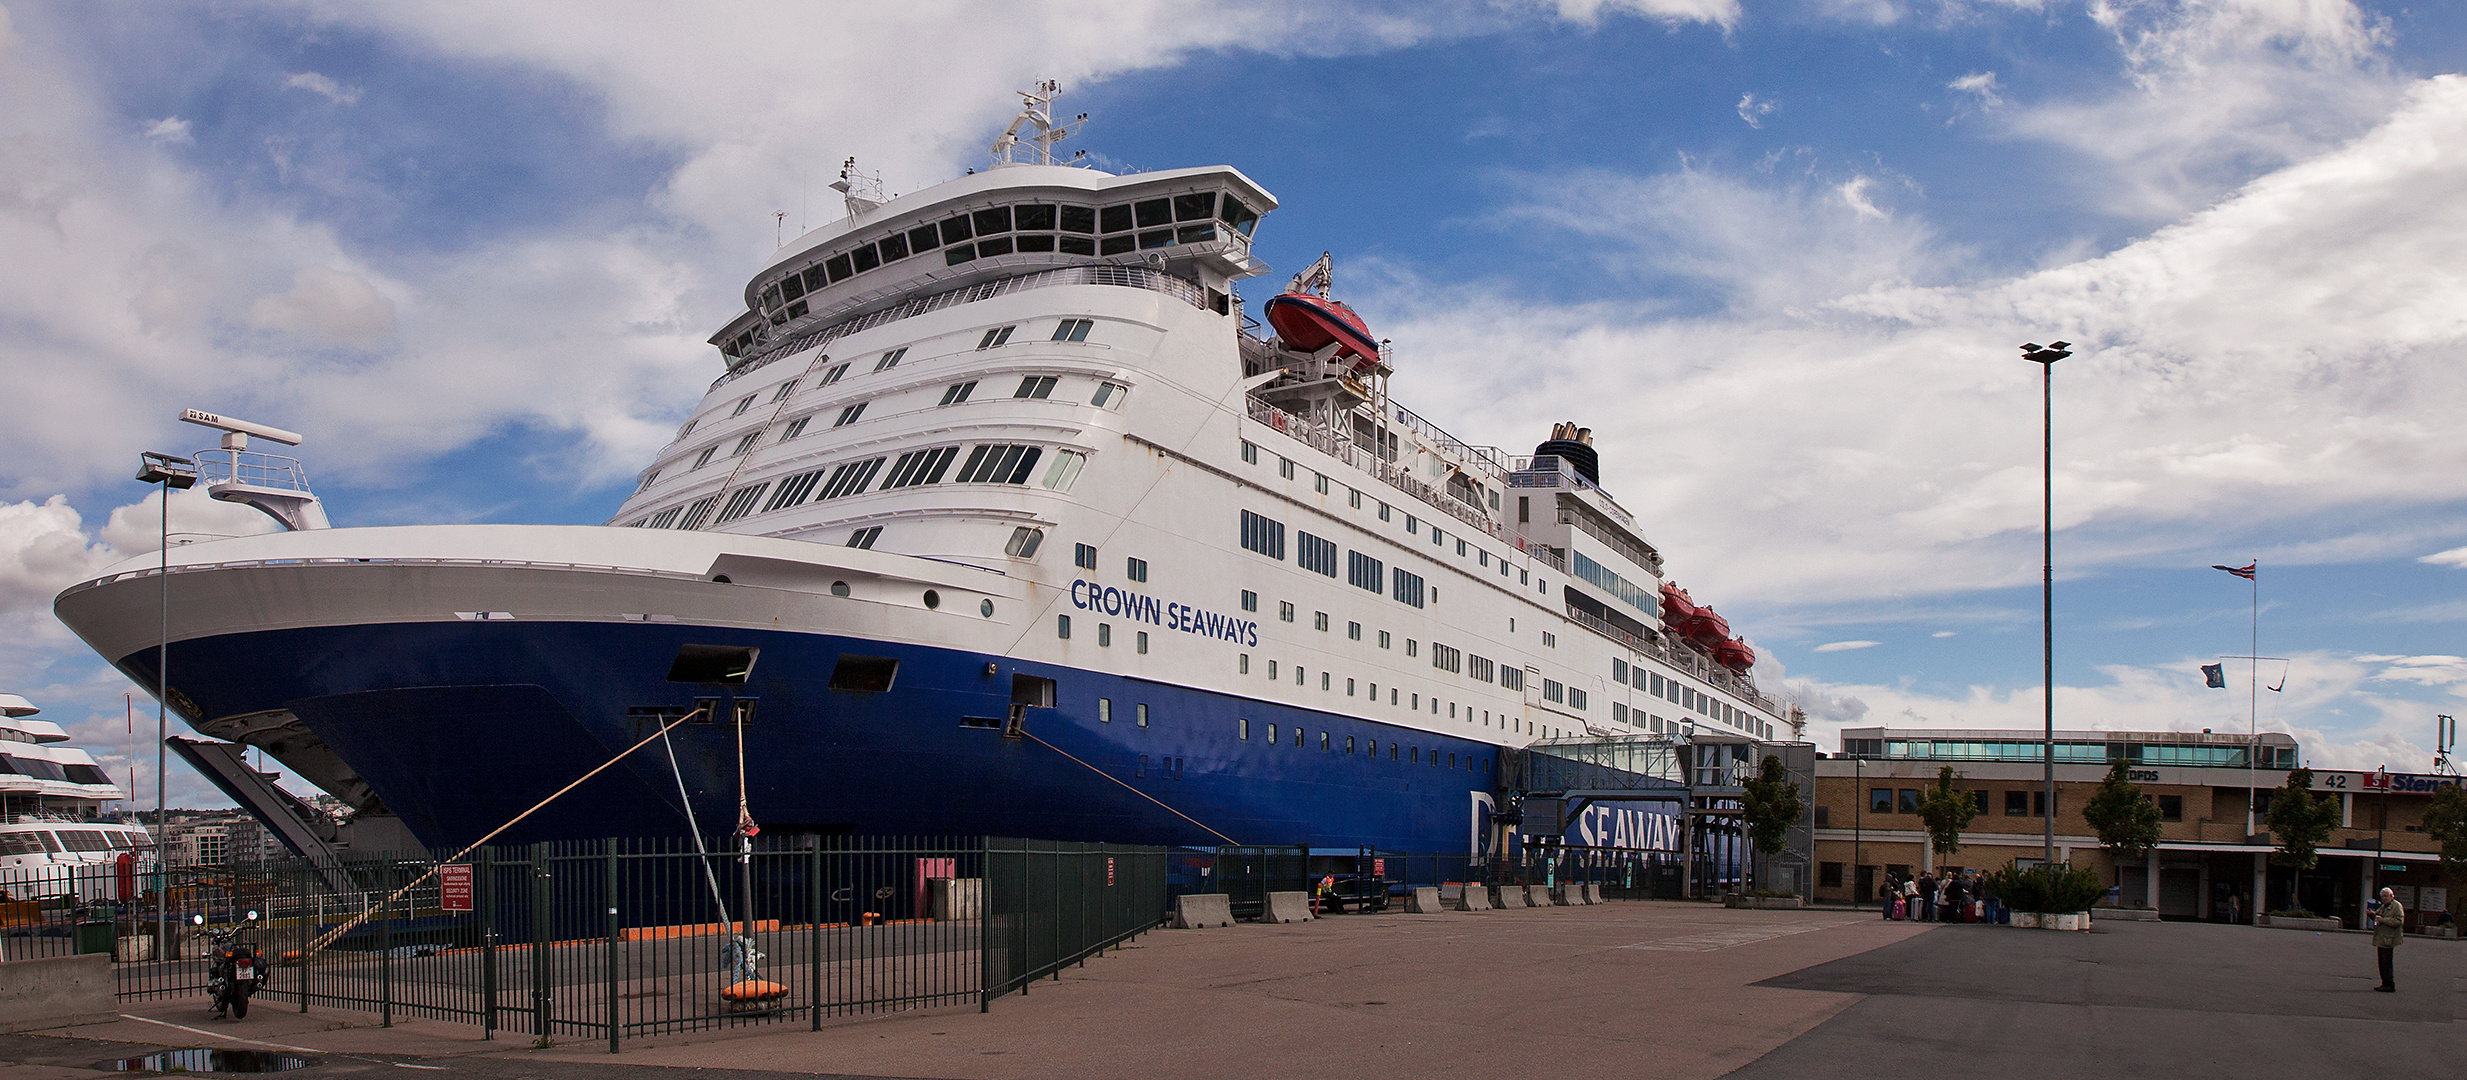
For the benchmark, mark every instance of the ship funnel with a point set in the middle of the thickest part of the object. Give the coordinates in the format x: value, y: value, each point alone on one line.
x: 1573, y: 445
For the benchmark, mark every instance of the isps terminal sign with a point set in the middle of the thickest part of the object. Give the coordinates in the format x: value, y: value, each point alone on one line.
x: 454, y: 887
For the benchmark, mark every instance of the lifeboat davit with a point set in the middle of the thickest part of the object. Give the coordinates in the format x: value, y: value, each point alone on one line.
x: 1308, y: 322
x: 1734, y: 654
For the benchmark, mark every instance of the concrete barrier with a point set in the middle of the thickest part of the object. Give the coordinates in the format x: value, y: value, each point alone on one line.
x: 1195, y: 911
x: 1285, y: 907
x: 955, y: 899
x: 1423, y: 900
x: 1593, y: 892
x: 56, y: 991
x: 1511, y: 896
x: 1569, y: 894
x: 1538, y: 895
x: 1473, y: 897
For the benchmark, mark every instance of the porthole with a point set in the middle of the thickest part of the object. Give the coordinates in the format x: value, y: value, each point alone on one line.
x: 839, y: 588
x: 932, y: 599
x: 986, y: 608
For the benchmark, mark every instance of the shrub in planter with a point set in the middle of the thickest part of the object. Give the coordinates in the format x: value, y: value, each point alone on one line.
x: 2059, y: 888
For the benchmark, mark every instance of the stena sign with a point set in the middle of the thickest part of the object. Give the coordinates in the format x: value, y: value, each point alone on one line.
x: 1139, y: 607
x: 2407, y: 783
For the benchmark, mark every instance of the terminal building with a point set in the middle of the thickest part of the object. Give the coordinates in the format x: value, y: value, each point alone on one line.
x: 2208, y: 865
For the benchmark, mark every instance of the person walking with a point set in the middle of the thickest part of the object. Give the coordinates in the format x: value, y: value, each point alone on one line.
x: 2389, y: 928
x: 1927, y: 897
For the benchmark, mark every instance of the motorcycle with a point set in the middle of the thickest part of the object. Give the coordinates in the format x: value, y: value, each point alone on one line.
x: 233, y: 974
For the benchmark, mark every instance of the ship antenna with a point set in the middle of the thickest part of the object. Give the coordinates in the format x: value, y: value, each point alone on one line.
x: 1036, y: 111
x: 862, y: 192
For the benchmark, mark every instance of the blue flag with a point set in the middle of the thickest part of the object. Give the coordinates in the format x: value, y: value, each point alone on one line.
x: 2214, y: 676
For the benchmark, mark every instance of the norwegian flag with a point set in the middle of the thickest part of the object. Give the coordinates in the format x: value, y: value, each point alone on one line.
x: 2245, y: 571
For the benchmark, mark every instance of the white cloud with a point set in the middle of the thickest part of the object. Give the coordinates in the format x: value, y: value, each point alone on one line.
x: 43, y: 549
x: 2454, y: 557
x: 171, y: 130
x: 1981, y: 84
x: 2348, y: 722
x: 1754, y: 111
x: 2289, y: 355
x: 1846, y: 646
x: 2218, y: 91
x: 1943, y: 633
x: 324, y: 87
x: 330, y: 305
x: 1718, y: 12
x: 1854, y: 196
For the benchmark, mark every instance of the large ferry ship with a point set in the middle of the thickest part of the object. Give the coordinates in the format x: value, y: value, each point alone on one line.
x: 1003, y: 517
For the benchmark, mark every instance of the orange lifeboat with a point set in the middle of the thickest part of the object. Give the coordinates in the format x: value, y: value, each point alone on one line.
x: 1677, y: 608
x: 1734, y: 654
x: 1308, y: 322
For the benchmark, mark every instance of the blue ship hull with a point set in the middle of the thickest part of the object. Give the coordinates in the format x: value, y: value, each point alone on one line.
x: 459, y: 727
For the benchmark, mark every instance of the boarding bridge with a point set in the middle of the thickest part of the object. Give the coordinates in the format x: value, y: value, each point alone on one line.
x: 280, y: 811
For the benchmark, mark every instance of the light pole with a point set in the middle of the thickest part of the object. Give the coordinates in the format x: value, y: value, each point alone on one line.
x: 2046, y: 359
x: 1858, y: 823
x: 174, y: 474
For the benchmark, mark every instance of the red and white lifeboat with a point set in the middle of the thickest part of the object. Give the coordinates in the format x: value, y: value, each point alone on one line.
x: 1734, y: 654
x: 1308, y: 322
x: 1706, y: 627
x: 1677, y: 607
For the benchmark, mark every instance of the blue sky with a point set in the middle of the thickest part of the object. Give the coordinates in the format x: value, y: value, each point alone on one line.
x: 1777, y: 255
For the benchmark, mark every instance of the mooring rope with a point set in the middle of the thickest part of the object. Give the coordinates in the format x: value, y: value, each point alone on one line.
x: 329, y: 937
x: 1031, y: 736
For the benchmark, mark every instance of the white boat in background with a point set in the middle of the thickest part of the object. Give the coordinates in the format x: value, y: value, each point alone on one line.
x: 53, y: 802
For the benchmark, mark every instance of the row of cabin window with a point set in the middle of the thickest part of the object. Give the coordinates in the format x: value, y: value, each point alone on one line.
x: 1068, y: 330
x: 988, y: 463
x: 1481, y: 555
x: 1396, y: 751
x: 1108, y: 395
x: 1638, y: 718
x: 1688, y: 697
x: 1443, y: 657
x: 1025, y: 227
x: 1399, y: 698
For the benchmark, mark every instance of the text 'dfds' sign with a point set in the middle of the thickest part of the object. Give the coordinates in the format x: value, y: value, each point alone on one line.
x: 454, y: 887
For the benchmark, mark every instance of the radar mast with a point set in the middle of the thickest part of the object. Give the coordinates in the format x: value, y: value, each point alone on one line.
x: 1036, y: 111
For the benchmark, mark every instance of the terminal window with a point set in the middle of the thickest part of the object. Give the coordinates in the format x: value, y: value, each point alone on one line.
x: 2171, y: 807
x: 2017, y: 804
x: 1909, y: 801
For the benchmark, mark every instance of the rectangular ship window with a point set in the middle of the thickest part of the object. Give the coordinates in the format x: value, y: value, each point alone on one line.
x: 864, y: 674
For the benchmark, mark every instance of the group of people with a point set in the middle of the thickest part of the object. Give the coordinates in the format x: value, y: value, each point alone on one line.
x: 1953, y: 896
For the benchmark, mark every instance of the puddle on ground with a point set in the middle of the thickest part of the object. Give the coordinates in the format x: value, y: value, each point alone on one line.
x: 208, y: 1061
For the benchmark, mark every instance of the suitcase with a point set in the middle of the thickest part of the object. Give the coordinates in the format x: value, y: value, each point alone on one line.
x: 1901, y: 910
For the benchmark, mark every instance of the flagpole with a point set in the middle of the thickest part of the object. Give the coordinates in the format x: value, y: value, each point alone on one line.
x: 2252, y: 746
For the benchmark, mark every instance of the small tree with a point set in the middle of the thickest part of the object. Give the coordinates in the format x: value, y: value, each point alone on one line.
x: 1771, y: 806
x: 2298, y: 824
x: 2445, y: 821
x: 1946, y: 812
x: 2126, y: 821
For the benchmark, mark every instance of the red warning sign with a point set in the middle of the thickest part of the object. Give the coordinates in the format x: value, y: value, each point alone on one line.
x: 454, y: 887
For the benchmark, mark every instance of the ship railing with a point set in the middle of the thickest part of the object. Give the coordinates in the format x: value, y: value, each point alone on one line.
x: 1628, y: 547
x: 1551, y: 471
x: 1544, y: 553
x: 1680, y: 657
x: 1488, y: 459
x: 1133, y: 277
x: 1339, y: 445
x: 251, y: 468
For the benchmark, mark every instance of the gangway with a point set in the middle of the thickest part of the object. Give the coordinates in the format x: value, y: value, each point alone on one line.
x: 278, y: 810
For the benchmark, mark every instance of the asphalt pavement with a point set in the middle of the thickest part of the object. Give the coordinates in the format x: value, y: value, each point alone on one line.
x: 1670, y: 990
